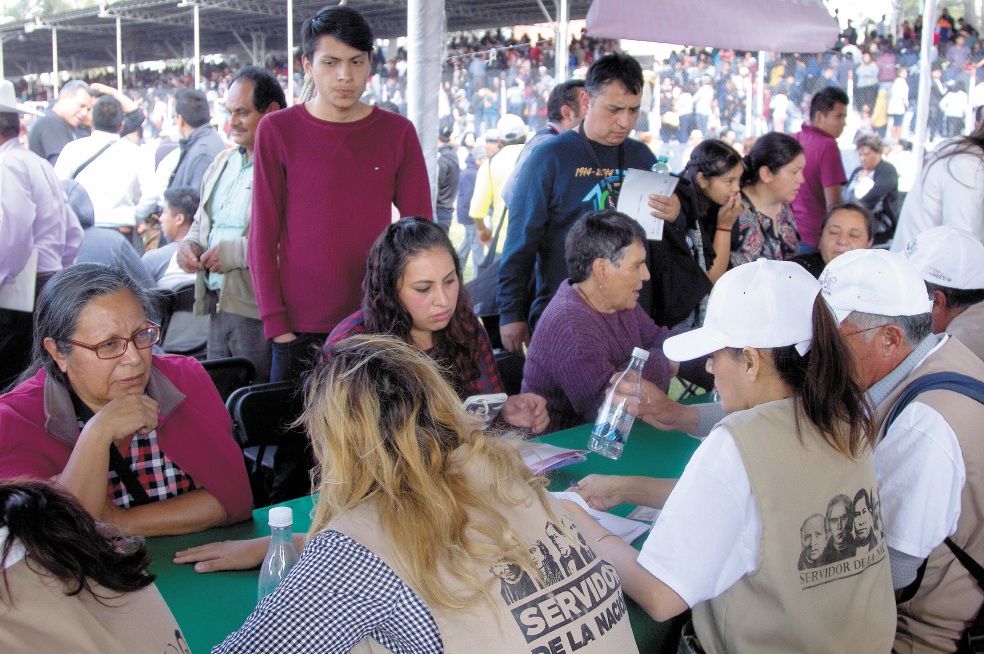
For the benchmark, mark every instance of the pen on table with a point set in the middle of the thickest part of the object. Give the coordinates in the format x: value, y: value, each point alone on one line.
x: 575, y: 485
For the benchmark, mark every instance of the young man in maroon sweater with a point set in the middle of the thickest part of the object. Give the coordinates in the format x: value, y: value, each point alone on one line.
x: 326, y: 174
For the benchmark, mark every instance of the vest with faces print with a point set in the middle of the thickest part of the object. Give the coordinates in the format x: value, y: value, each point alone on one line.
x: 948, y: 598
x: 823, y: 581
x: 574, y: 601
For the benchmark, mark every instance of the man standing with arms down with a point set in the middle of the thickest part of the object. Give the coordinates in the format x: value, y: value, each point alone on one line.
x: 581, y: 170
x: 215, y: 246
x: 33, y: 215
x: 824, y: 172
x: 346, y: 164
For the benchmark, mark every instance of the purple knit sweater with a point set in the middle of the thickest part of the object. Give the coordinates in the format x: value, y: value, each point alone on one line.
x: 575, y: 350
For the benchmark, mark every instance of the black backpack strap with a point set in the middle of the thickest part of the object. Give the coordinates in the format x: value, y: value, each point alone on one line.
x: 90, y: 160
x: 947, y: 381
x: 118, y: 464
x: 973, y: 639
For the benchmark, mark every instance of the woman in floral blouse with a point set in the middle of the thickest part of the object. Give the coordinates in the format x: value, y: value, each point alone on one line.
x: 765, y: 228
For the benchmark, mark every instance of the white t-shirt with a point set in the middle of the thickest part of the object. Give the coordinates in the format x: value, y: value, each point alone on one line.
x: 949, y: 192
x: 707, y: 536
x: 921, y: 475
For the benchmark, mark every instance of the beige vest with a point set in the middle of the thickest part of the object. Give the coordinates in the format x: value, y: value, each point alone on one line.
x: 968, y: 328
x: 42, y: 618
x: 823, y: 581
x: 574, y: 604
x: 948, y: 599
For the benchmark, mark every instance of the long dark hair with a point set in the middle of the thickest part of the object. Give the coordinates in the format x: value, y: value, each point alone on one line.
x: 712, y: 158
x: 774, y: 150
x: 382, y: 311
x: 824, y: 380
x: 62, y: 538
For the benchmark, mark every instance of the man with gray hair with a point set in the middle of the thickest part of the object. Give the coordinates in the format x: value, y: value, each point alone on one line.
x: 930, y: 459
x: 63, y: 122
x: 951, y: 263
x: 34, y: 215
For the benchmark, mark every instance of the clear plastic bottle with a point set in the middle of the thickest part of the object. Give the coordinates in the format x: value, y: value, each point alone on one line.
x: 612, y: 428
x: 282, y: 555
x: 662, y: 165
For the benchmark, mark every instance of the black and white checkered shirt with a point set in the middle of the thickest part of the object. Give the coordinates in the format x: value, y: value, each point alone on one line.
x: 338, y: 594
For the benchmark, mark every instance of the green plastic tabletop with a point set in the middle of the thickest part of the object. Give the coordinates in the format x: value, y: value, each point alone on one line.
x: 211, y: 606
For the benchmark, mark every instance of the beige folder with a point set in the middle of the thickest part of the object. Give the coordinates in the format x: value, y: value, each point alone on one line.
x: 18, y: 295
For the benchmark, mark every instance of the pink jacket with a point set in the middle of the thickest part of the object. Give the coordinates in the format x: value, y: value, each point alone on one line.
x: 39, y: 428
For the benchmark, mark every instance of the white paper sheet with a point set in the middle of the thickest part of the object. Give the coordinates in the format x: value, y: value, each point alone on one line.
x: 18, y: 295
x: 633, y: 198
x: 627, y: 530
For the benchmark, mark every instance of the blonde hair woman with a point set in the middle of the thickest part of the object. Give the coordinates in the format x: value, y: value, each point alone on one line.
x: 421, y: 536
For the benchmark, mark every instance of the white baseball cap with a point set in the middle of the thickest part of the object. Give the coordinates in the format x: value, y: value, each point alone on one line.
x: 511, y: 128
x: 948, y: 257
x: 763, y: 304
x: 878, y: 282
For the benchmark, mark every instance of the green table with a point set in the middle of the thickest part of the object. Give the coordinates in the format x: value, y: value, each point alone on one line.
x: 211, y: 606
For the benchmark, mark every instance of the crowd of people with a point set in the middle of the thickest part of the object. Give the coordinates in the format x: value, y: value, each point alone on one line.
x: 839, y: 323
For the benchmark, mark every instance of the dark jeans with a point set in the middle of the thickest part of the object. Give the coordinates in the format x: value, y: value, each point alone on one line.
x: 292, y: 360
x: 293, y: 460
x: 444, y: 219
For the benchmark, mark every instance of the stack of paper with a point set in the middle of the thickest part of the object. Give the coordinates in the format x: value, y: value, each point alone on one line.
x: 627, y: 530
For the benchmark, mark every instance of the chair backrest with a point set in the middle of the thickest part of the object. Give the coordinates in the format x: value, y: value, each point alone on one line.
x: 189, y: 333
x: 163, y: 300
x: 230, y: 374
x: 185, y: 297
x: 262, y: 414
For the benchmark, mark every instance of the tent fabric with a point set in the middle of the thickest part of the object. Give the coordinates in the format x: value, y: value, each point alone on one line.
x: 770, y: 25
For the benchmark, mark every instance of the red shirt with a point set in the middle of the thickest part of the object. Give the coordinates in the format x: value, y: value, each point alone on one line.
x: 322, y: 193
x: 823, y: 168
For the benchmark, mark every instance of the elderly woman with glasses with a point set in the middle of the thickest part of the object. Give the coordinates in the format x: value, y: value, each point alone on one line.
x: 142, y: 441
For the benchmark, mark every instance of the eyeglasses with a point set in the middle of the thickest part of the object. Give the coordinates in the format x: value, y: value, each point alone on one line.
x: 114, y: 348
x: 860, y: 331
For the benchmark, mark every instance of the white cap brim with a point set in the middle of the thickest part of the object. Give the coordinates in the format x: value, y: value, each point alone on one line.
x: 692, y: 345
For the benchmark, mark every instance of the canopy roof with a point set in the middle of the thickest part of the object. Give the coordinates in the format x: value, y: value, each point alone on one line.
x: 163, y: 29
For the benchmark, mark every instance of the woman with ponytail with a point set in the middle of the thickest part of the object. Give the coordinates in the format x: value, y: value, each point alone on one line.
x: 757, y: 524
x: 69, y: 584
x: 766, y: 228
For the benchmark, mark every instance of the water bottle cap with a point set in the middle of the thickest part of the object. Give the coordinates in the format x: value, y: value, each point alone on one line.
x: 281, y: 516
x: 640, y: 353
x: 663, y: 158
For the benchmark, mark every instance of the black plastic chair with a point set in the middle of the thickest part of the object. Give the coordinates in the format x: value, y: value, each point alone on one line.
x: 163, y: 300
x: 278, y: 456
x: 229, y: 374
x: 192, y: 338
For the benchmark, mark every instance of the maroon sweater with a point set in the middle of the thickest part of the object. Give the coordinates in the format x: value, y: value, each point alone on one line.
x: 322, y: 193
x: 575, y: 351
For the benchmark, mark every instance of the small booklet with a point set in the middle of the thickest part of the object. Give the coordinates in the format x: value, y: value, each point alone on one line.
x: 627, y: 530
x: 485, y: 407
x: 541, y: 457
x: 633, y: 198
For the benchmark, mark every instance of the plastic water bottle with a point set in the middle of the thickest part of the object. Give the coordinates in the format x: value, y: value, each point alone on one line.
x: 612, y: 428
x: 282, y: 555
x: 662, y: 165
